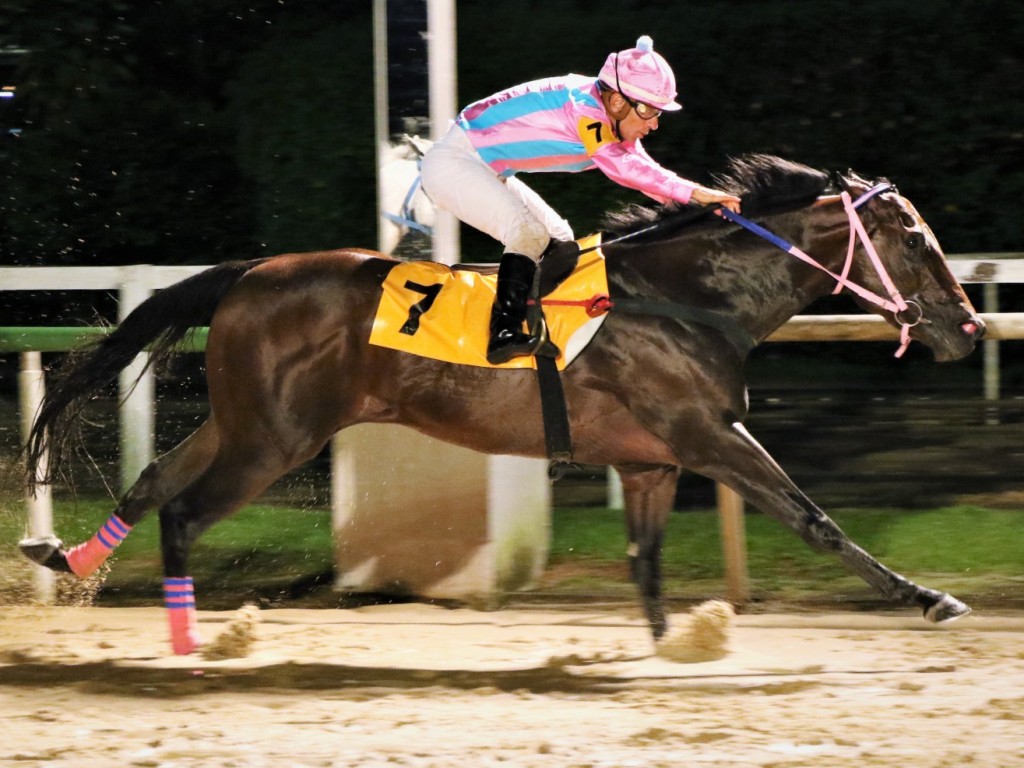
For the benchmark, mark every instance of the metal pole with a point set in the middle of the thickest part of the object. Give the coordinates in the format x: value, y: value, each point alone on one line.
x: 380, y: 104
x: 442, y: 76
x: 137, y: 405
x: 31, y: 388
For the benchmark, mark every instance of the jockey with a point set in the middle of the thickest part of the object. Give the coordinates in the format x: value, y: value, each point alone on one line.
x: 569, y: 124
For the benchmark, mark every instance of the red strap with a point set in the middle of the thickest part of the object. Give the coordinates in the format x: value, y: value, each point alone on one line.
x: 597, y: 304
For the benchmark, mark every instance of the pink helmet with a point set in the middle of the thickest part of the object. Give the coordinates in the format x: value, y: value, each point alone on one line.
x: 642, y: 75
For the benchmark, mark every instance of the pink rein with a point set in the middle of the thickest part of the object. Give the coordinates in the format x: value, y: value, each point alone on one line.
x: 895, y: 303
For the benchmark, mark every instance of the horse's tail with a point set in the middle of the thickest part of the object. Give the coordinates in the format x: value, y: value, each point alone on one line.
x: 157, y: 324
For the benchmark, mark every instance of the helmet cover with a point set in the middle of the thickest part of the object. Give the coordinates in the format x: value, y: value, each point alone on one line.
x: 642, y: 75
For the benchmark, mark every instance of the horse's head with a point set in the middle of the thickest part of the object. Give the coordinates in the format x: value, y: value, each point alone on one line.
x: 937, y: 309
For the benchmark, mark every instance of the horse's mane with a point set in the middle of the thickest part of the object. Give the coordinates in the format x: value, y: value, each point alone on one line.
x: 765, y: 184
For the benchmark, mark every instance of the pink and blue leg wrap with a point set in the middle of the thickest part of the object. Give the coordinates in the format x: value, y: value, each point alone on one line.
x: 87, y: 557
x: 180, y: 599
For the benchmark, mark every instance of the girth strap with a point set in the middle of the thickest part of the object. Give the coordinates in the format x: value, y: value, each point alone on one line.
x: 554, y: 413
x: 557, y: 438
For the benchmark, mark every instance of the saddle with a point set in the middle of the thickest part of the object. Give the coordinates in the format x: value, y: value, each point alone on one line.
x: 441, y: 312
x: 556, y: 264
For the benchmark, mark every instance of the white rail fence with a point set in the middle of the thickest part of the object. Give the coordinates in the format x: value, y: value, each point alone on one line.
x: 134, y: 284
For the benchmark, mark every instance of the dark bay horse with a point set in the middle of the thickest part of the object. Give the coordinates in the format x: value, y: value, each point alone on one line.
x: 288, y: 364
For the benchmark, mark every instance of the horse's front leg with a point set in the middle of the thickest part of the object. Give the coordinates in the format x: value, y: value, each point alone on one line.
x: 649, y: 493
x: 741, y: 463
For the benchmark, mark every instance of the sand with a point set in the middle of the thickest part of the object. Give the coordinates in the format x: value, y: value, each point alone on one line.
x: 417, y: 685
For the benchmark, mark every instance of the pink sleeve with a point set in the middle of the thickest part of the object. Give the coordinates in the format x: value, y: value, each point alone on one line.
x: 632, y: 167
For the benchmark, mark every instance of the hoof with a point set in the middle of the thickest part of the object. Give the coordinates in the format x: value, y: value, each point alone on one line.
x: 46, y: 551
x: 946, y: 608
x: 659, y: 626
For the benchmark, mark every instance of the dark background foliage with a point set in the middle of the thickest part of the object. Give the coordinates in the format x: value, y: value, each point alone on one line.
x: 196, y: 131
x: 193, y: 131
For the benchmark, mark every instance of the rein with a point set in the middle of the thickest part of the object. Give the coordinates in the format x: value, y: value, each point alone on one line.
x: 406, y: 217
x: 733, y: 331
x: 895, y: 303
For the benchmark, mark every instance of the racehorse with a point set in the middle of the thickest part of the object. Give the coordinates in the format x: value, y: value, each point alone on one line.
x: 658, y: 389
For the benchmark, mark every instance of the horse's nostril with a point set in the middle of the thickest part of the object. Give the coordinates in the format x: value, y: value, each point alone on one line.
x: 974, y: 329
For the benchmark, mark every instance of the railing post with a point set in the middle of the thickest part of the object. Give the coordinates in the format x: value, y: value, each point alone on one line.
x: 137, y: 405
x: 31, y: 388
x: 441, y: 58
x: 990, y: 302
x: 734, y: 544
x: 616, y: 496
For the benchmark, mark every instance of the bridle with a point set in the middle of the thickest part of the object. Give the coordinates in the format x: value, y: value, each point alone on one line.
x: 907, y: 313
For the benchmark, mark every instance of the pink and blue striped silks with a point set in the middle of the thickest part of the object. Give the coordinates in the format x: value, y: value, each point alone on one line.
x: 559, y: 124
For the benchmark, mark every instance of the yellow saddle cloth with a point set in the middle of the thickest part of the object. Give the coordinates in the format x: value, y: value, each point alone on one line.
x: 431, y: 310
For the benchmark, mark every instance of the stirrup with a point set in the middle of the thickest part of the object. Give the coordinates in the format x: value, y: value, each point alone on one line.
x: 538, y: 325
x: 520, y: 345
x: 536, y: 343
x: 544, y: 347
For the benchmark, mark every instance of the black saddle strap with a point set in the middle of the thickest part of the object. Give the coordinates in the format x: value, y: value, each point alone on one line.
x: 557, y: 440
x: 554, y: 413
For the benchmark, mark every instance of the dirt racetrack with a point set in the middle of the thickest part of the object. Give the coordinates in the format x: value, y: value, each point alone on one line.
x: 415, y: 685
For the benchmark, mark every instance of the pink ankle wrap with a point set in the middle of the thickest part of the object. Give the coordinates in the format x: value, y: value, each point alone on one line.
x: 90, y: 555
x: 179, y: 597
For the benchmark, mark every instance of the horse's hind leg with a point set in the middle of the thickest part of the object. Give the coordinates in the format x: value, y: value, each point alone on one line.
x: 233, y: 478
x: 745, y: 466
x: 160, y: 481
x: 648, y: 494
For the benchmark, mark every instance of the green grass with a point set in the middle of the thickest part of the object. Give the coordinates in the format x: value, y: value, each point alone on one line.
x: 261, y: 550
x: 271, y: 552
x: 969, y: 549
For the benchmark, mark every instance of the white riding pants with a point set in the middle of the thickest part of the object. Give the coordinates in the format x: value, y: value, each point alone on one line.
x: 456, y: 179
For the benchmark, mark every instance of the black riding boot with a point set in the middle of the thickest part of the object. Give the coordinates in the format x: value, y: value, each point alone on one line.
x: 515, y: 281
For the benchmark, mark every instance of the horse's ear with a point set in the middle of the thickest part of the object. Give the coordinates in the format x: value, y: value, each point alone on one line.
x: 839, y: 180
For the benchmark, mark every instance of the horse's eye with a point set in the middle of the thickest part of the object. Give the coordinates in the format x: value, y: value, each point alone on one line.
x: 913, y: 241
